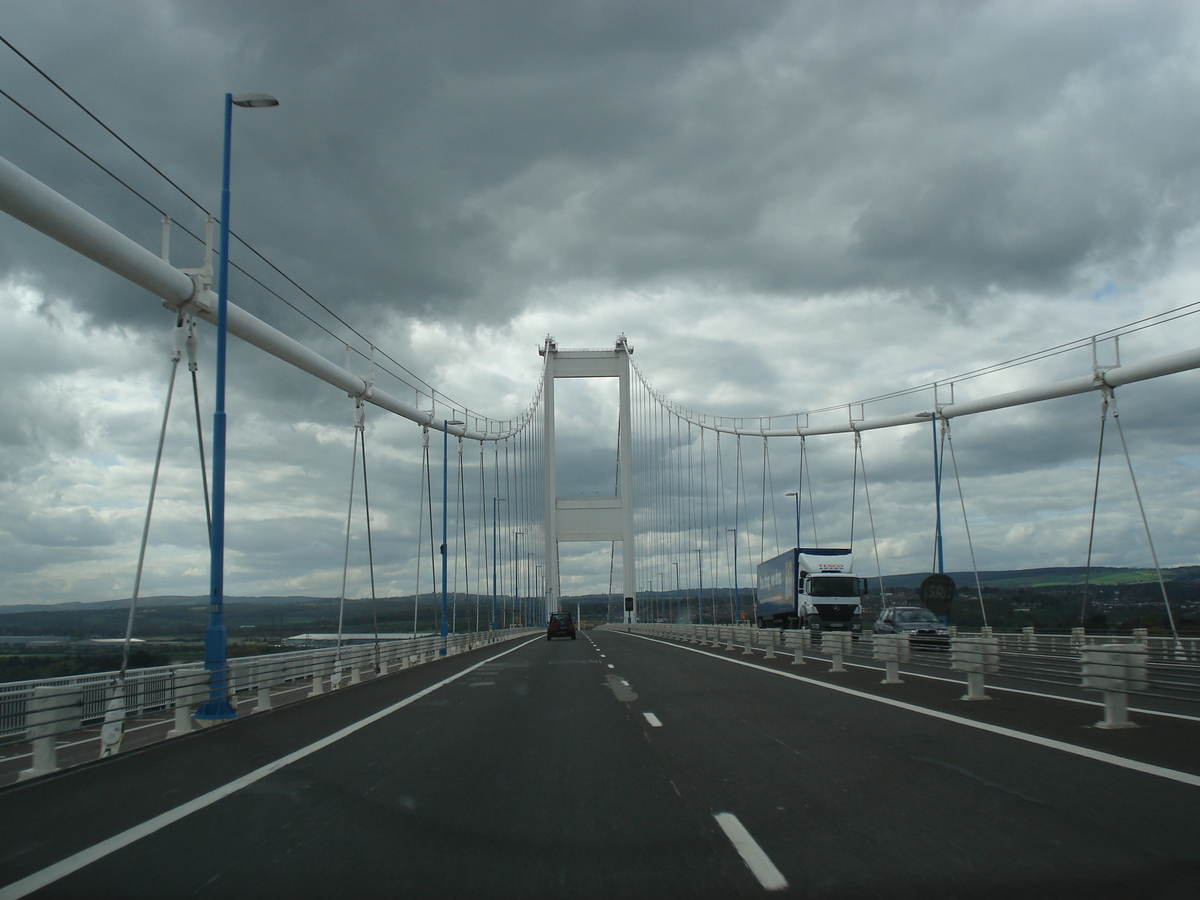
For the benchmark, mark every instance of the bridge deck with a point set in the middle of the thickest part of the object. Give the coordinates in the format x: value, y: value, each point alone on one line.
x: 596, y: 768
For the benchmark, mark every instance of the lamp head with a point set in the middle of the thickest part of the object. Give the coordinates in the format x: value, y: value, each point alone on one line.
x: 254, y: 101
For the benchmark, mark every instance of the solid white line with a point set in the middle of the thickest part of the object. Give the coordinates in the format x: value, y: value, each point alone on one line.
x: 752, y: 854
x: 652, y: 719
x: 77, y: 861
x: 1074, y: 749
x: 1011, y: 690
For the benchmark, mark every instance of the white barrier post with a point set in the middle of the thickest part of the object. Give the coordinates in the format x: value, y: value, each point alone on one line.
x: 749, y: 641
x: 976, y: 657
x: 321, y: 665
x: 270, y: 673
x: 800, y: 642
x: 191, y: 688
x: 51, y: 711
x: 892, y: 649
x: 1115, y: 669
x: 837, y: 645
x: 770, y: 637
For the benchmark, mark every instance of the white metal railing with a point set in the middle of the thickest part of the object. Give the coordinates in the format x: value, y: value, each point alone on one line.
x: 1161, y: 667
x: 42, y: 709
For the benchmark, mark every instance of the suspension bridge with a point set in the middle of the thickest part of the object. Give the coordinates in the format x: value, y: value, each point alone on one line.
x: 679, y: 750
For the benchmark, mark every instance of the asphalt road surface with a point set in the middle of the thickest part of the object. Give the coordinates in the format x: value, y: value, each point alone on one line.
x: 611, y: 766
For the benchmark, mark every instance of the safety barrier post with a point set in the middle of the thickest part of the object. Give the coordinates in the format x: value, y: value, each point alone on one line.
x: 1115, y: 670
x: 1077, y: 638
x: 976, y: 657
x: 892, y: 649
x: 749, y: 640
x: 800, y: 641
x: 51, y: 711
x: 837, y: 645
x: 770, y: 636
x: 191, y: 688
x: 269, y: 674
x: 1028, y: 641
x: 322, y: 665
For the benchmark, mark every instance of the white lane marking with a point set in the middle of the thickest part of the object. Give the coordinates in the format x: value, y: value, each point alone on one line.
x: 1074, y: 749
x: 77, y: 861
x: 611, y: 666
x: 1011, y: 690
x: 652, y: 719
x: 752, y: 854
x: 480, y: 683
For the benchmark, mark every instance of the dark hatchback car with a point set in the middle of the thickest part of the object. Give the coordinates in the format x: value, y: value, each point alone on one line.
x: 561, y: 625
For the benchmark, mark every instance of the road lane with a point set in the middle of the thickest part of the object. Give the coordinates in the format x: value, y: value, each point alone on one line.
x: 850, y: 797
x: 544, y: 772
x: 528, y: 777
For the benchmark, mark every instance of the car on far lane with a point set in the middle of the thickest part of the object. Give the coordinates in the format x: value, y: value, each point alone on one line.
x: 920, y: 624
x: 561, y: 625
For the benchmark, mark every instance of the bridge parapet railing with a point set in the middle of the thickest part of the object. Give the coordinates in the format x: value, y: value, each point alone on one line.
x: 153, y: 689
x: 1172, y: 665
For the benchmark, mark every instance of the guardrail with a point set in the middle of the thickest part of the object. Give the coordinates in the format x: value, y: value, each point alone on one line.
x: 41, y: 710
x: 1161, y: 668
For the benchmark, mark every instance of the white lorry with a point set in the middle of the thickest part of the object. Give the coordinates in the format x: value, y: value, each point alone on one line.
x: 809, y: 587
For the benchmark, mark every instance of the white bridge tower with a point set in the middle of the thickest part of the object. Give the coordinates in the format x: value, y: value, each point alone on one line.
x: 596, y: 518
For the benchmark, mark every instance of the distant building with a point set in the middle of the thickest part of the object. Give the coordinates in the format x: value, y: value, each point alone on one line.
x: 314, y: 641
x: 32, y: 640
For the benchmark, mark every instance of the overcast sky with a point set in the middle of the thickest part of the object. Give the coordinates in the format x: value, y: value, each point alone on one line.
x: 785, y: 206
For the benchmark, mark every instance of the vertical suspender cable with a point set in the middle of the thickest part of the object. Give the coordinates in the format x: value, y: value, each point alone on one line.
x: 113, y: 729
x: 1105, y: 395
x: 1145, y: 524
x: 854, y: 485
x: 346, y: 555
x: 421, y: 520
x: 870, y: 514
x: 370, y: 548
x: 176, y: 354
x: 966, y: 525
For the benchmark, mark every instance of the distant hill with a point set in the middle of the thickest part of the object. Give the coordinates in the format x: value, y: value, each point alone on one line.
x: 1054, y: 575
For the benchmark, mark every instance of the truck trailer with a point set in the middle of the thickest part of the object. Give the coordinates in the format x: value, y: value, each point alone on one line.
x: 810, y: 587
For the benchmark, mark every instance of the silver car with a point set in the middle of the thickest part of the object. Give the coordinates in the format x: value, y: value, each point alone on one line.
x: 921, y: 625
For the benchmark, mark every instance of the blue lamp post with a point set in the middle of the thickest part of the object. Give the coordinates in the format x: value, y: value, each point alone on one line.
x: 445, y: 499
x: 495, y: 557
x: 215, y: 635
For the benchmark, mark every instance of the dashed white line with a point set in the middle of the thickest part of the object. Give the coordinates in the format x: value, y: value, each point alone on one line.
x: 759, y: 863
x: 611, y: 666
x: 652, y: 719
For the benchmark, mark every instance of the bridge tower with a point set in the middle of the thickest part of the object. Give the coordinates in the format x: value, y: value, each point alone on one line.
x: 596, y: 518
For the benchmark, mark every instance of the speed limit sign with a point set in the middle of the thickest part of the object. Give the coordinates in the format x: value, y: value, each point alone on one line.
x: 937, y: 594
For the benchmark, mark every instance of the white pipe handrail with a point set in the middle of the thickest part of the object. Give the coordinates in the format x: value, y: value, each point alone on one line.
x: 28, y: 200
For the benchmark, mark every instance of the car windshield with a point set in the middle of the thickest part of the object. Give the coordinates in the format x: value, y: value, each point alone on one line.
x: 915, y: 615
x: 828, y: 586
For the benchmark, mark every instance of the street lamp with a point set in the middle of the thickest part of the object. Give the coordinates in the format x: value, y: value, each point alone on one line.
x: 495, y: 557
x: 215, y: 635
x: 796, y: 494
x: 735, y: 608
x: 446, y: 423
